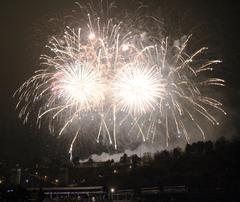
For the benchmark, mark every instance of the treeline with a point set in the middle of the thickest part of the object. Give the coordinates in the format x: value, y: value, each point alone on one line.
x: 200, y: 166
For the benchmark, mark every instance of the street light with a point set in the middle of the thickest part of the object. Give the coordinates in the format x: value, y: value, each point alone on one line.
x: 112, y: 190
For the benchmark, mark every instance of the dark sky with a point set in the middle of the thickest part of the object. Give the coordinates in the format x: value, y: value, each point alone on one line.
x: 23, y: 36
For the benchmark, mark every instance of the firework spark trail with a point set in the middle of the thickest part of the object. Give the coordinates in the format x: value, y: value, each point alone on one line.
x: 183, y: 89
x: 105, y: 73
x: 71, y: 146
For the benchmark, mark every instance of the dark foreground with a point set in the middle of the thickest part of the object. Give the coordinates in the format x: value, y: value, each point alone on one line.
x: 204, y: 171
x: 103, y: 194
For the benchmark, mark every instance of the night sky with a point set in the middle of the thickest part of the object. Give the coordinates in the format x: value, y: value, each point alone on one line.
x: 24, y: 32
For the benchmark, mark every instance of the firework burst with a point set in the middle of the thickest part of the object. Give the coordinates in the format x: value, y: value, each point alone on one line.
x: 138, y: 89
x: 119, y: 79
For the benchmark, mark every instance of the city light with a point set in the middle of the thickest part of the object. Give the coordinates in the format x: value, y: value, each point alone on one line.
x: 112, y: 190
